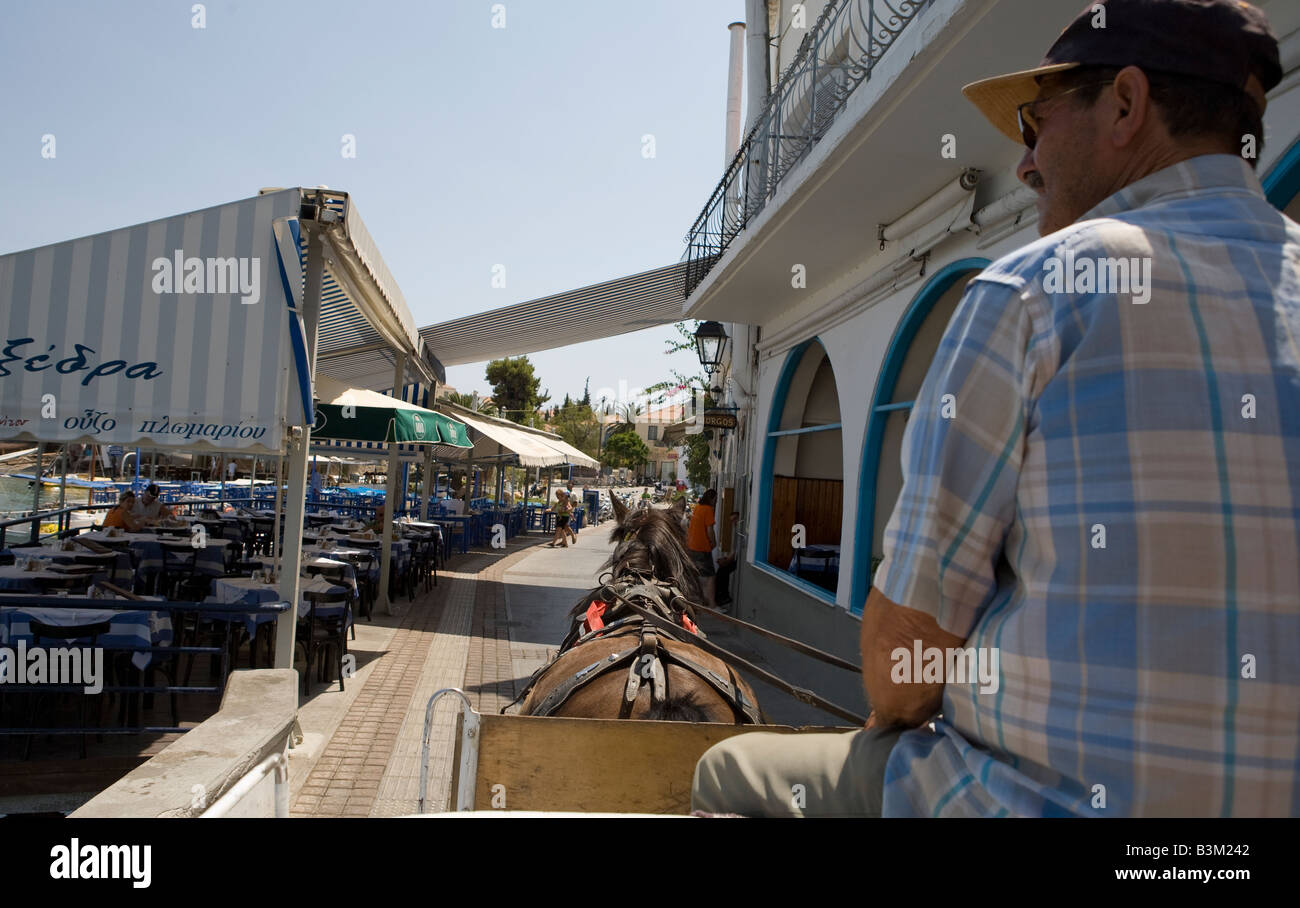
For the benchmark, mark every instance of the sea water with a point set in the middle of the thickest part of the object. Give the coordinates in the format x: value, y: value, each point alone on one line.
x: 16, y: 495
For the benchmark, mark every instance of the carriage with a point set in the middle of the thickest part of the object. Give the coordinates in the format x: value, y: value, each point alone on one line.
x: 618, y: 720
x: 553, y: 764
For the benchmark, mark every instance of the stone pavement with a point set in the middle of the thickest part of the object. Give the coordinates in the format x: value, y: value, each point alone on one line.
x: 361, y: 750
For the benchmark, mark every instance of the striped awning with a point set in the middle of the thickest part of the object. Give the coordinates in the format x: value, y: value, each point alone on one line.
x: 615, y: 307
x: 182, y: 332
x: 188, y: 331
x: 494, y: 438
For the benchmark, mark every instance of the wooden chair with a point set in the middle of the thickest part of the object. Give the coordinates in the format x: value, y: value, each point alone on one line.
x: 321, y: 634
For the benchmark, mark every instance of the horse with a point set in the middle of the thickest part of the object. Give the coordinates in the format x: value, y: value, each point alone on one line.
x: 616, y: 663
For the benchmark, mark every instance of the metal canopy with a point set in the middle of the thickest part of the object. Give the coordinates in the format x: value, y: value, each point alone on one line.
x: 363, y: 311
x: 609, y: 309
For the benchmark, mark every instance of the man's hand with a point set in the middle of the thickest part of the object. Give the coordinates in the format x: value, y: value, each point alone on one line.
x: 885, y: 627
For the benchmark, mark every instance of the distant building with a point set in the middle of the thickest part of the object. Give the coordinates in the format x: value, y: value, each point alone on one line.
x: 650, y: 428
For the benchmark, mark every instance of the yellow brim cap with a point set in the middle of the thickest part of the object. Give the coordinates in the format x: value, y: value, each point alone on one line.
x: 998, y: 97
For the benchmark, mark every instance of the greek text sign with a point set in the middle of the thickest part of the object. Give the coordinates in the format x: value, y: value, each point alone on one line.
x: 170, y: 333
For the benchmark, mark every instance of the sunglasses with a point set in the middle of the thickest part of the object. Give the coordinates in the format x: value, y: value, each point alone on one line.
x: 1027, y: 117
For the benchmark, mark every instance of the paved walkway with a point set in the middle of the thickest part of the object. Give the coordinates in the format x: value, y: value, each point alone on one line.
x: 361, y: 750
x: 494, y: 618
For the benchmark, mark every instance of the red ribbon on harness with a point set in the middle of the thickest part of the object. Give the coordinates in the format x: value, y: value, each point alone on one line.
x: 594, y: 622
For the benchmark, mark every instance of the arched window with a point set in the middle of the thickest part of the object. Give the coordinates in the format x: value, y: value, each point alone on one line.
x: 904, y: 367
x: 802, y: 492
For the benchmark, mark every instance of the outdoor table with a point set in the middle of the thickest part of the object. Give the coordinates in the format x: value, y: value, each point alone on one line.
x: 344, y: 553
x: 449, y: 523
x: 401, y: 548
x: 322, y: 560
x: 111, y: 561
x: 211, y: 558
x: 247, y: 591
x: 15, y: 579
x: 126, y: 626
x: 817, y: 558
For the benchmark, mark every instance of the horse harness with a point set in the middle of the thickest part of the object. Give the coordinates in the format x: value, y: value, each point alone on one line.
x: 646, y: 659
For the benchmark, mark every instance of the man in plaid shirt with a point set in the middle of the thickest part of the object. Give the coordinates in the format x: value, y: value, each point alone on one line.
x: 1100, y: 515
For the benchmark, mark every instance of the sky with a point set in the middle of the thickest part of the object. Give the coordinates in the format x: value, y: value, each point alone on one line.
x: 475, y: 145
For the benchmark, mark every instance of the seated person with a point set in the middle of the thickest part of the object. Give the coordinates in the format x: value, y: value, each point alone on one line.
x: 378, y: 523
x: 122, y: 516
x: 149, y: 509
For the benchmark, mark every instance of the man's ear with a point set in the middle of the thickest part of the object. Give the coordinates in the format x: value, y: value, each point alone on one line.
x: 1130, y: 94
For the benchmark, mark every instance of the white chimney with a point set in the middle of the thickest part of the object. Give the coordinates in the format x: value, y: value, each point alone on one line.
x: 735, y: 83
x: 757, y: 69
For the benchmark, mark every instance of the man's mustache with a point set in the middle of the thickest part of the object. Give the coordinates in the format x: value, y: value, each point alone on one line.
x: 1034, y: 180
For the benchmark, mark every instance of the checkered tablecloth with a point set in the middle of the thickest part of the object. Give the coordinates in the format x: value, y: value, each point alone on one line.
x: 247, y: 591
x: 126, y: 627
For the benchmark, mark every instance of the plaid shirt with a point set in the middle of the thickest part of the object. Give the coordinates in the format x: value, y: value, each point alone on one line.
x: 1111, y: 499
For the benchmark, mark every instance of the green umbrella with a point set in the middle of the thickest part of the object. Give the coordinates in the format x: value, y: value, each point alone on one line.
x: 355, y: 414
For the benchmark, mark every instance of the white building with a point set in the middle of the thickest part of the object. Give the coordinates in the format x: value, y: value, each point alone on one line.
x: 867, y: 192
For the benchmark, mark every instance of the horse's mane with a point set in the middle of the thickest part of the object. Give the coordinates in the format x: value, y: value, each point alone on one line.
x: 650, y: 542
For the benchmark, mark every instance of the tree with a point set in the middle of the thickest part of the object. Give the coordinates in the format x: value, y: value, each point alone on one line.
x: 575, y: 422
x: 625, y: 449
x: 682, y: 382
x: 515, y: 389
x: 629, y: 412
x: 697, y: 459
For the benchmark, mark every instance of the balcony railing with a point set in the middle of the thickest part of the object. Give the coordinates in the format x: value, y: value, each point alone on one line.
x: 836, y: 56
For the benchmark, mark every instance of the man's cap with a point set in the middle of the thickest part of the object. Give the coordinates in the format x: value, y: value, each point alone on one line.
x: 152, y: 489
x: 1225, y: 41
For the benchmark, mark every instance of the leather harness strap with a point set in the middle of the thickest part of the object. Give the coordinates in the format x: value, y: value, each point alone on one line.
x: 647, y: 659
x: 557, y: 697
x: 728, y: 689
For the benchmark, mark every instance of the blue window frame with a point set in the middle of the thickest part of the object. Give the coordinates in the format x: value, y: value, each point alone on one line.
x: 882, y: 406
x: 1282, y: 183
x: 774, y: 434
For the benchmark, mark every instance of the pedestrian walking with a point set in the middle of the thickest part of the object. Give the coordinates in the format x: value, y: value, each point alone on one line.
x: 563, y: 510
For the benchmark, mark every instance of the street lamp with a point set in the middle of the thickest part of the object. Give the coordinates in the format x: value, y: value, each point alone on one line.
x: 710, y: 344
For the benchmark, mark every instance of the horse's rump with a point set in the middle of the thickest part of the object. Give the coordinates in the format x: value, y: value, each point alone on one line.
x: 635, y: 672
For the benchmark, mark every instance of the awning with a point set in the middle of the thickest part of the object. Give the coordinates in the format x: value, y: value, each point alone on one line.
x: 609, y: 309
x: 530, y: 447
x: 187, y: 332
x: 356, y: 414
x: 576, y: 457
x: 528, y: 451
x: 179, y: 332
x: 364, y: 316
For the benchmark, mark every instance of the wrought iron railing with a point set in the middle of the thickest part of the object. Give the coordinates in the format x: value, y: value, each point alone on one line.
x: 836, y: 56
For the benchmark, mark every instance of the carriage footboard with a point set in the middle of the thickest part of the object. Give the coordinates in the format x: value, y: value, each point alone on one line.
x: 551, y: 763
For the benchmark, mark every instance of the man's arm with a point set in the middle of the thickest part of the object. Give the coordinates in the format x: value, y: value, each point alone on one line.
x: 886, y: 626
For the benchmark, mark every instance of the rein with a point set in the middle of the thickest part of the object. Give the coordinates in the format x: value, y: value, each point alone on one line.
x: 799, y: 693
x: 644, y: 660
